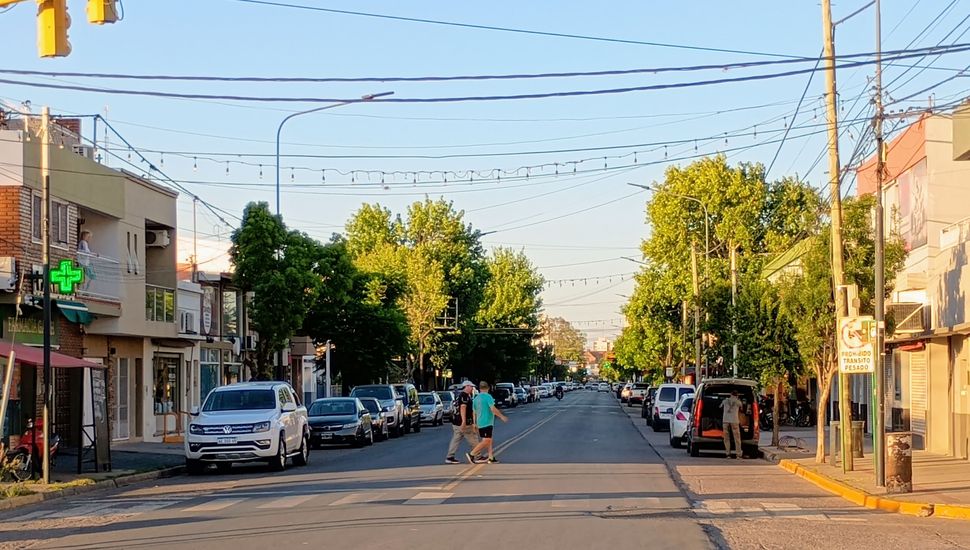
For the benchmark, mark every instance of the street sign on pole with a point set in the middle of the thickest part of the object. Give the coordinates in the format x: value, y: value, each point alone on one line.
x: 857, y: 337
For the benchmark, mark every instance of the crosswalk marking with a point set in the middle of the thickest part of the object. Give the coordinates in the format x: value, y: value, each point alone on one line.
x: 286, y: 502
x: 721, y: 508
x: 214, y: 505
x: 357, y: 498
x: 104, y: 507
x: 429, y: 498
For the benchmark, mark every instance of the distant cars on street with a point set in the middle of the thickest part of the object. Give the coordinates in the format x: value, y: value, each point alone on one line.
x: 335, y: 420
x: 432, y: 410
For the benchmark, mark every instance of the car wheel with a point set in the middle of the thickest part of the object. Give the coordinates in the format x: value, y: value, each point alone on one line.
x: 675, y: 442
x: 370, y: 437
x: 655, y: 424
x: 359, y: 440
x: 303, y: 458
x: 224, y: 467
x: 417, y: 426
x: 694, y: 450
x: 408, y: 427
x: 194, y: 467
x: 279, y: 462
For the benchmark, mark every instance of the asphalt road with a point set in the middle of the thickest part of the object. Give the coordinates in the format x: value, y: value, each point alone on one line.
x: 580, y: 473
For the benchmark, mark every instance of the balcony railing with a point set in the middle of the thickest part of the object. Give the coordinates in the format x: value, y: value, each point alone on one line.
x: 159, y: 304
x: 102, y: 277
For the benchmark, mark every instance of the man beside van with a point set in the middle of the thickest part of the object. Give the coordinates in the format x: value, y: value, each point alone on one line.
x: 731, y: 424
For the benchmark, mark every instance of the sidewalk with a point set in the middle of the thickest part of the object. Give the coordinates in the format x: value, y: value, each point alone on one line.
x: 941, y: 484
x: 130, y: 463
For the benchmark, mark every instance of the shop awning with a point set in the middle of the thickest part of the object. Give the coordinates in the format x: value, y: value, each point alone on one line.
x: 75, y: 312
x: 29, y: 355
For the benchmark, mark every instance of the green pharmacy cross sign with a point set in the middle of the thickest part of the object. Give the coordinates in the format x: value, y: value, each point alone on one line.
x: 66, y: 276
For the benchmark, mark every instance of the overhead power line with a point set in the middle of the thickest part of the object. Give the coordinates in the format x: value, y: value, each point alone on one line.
x: 464, y: 99
x: 437, y: 78
x: 513, y: 30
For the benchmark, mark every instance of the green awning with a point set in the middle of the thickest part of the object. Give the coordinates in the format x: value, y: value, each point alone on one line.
x: 75, y: 312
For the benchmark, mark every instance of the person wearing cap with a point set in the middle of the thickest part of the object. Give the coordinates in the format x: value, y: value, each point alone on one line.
x: 485, y: 413
x: 731, y: 424
x: 462, y: 423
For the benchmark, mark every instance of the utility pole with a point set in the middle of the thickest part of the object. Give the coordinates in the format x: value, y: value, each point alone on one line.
x: 831, y: 116
x: 697, y: 308
x: 879, y: 376
x: 45, y: 214
x: 734, y: 301
x: 195, y: 241
x: 326, y: 374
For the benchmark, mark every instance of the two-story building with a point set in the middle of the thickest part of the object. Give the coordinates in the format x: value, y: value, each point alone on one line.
x: 119, y: 229
x: 927, y: 200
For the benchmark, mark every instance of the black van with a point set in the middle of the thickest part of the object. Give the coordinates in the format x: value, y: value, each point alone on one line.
x: 706, y: 431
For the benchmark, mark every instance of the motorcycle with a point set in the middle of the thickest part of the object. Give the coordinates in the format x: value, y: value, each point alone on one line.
x: 559, y: 394
x: 22, y: 461
x: 766, y: 418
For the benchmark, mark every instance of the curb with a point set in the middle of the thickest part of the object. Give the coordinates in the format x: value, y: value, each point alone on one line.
x: 874, y: 502
x: 120, y: 481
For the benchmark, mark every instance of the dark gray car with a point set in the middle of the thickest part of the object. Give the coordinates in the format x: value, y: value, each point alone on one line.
x: 392, y: 404
x: 339, y: 420
x: 378, y: 421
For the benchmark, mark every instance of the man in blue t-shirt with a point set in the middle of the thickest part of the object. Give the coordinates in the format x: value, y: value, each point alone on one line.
x: 485, y: 413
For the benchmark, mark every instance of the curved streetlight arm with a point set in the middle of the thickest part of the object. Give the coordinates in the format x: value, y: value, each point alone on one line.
x: 279, y: 130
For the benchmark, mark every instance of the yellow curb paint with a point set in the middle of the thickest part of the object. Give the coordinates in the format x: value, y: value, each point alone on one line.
x: 862, y: 498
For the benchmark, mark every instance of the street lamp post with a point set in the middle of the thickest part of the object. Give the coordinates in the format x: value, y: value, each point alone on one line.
x: 279, y: 130
x: 707, y: 252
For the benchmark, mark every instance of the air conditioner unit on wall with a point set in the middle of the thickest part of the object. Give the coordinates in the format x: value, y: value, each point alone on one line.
x: 8, y: 273
x: 250, y: 343
x: 85, y: 151
x: 157, y: 238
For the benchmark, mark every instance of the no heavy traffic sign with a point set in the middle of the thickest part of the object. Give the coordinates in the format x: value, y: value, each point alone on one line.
x: 857, y: 336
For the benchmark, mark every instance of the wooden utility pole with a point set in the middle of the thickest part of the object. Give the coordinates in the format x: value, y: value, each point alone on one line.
x: 697, y: 309
x: 879, y: 376
x: 835, y: 188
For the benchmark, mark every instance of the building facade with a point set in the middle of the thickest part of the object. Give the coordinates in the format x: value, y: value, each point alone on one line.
x: 119, y: 230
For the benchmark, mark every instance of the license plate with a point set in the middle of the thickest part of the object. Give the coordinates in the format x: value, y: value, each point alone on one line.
x: 226, y: 440
x: 326, y: 436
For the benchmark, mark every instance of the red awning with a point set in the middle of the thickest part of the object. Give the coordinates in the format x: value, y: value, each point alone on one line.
x: 29, y: 355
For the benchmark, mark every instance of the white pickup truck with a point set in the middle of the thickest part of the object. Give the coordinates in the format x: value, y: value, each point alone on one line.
x: 248, y: 422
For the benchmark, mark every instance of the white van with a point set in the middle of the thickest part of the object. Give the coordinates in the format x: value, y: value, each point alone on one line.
x: 664, y: 403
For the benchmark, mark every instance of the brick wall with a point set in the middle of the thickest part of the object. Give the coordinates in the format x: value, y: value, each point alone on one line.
x: 10, y: 216
x: 15, y: 230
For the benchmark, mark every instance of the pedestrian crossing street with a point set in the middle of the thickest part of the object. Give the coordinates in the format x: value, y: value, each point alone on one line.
x: 120, y: 507
x: 724, y: 509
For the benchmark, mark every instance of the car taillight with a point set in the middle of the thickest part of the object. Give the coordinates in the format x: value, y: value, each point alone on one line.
x: 680, y: 416
x: 697, y: 415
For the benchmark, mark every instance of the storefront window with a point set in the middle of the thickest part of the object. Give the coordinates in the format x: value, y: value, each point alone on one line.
x: 166, y: 377
x: 208, y: 371
x: 231, y: 368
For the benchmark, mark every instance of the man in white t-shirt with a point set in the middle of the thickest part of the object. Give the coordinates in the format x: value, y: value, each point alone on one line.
x: 731, y: 424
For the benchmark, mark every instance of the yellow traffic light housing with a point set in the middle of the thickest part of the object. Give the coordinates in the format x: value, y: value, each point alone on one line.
x: 102, y: 11
x: 53, y: 22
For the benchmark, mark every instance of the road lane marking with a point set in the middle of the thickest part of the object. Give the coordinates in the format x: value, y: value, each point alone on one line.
x: 214, y: 505
x: 429, y: 498
x: 286, y: 502
x: 357, y: 498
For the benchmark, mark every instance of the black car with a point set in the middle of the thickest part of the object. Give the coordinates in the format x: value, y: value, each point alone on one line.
x: 339, y: 420
x: 378, y: 420
x: 412, y: 407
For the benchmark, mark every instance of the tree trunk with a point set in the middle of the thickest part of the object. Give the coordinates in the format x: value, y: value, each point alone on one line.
x: 823, y: 407
x: 775, y: 409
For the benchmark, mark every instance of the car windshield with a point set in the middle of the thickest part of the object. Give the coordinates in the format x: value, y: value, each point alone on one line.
x: 667, y: 394
x: 372, y: 406
x: 426, y: 399
x: 684, y: 391
x: 688, y: 403
x: 446, y: 396
x: 381, y: 392
x: 241, y: 400
x: 332, y: 408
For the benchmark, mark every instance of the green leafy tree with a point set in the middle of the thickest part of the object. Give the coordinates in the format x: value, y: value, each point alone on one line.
x: 277, y: 266
x: 566, y: 341
x: 807, y: 298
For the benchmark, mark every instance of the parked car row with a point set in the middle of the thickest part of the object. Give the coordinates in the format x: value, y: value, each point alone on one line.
x: 265, y: 422
x: 692, y: 416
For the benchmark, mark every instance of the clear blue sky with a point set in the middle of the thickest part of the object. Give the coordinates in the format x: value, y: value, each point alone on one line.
x: 226, y: 37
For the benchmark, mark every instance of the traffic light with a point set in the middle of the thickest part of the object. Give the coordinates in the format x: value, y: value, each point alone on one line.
x: 52, y: 24
x: 102, y: 11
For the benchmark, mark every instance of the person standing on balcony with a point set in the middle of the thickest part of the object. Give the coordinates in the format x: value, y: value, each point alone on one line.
x: 84, y: 257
